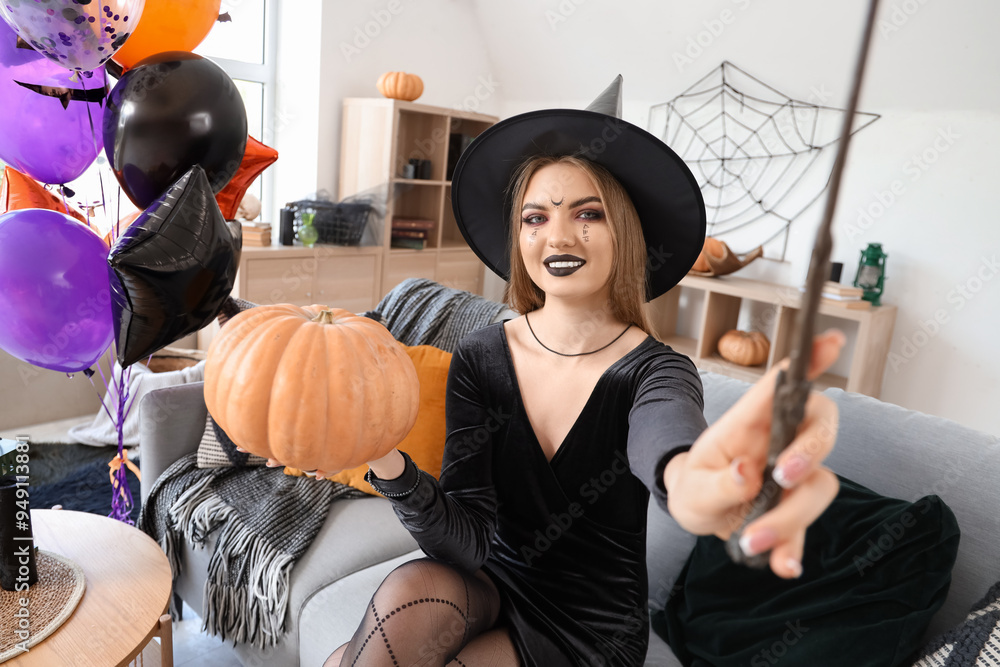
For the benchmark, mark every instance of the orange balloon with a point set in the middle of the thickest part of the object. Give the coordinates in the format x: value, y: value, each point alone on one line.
x: 168, y: 25
x: 255, y: 160
x: 20, y: 191
x: 122, y: 225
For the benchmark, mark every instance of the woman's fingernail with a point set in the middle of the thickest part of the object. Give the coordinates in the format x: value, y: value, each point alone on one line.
x: 758, y: 542
x: 790, y: 473
x: 737, y: 468
x: 240, y: 449
x: 795, y: 567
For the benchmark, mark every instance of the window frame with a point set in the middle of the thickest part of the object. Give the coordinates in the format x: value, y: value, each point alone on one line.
x: 265, y: 74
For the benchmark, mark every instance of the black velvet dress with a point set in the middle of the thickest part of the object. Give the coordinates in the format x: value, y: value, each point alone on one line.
x: 564, y: 541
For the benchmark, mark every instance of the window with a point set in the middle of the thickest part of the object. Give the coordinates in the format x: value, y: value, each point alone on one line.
x: 246, y: 47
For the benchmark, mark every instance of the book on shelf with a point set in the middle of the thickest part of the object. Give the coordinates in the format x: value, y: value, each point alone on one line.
x: 853, y: 304
x: 840, y: 297
x: 409, y: 233
x: 256, y: 233
x: 408, y: 243
x: 257, y: 241
x: 830, y: 287
x: 400, y: 222
x: 837, y: 291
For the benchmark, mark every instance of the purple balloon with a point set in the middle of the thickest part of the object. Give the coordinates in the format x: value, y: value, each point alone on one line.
x: 49, y: 132
x: 55, y: 294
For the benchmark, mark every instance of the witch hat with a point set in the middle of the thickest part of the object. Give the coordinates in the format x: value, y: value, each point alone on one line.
x: 662, y: 188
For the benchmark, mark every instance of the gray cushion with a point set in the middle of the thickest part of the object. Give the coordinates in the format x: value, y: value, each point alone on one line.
x: 171, y: 423
x: 331, y: 616
x: 659, y: 653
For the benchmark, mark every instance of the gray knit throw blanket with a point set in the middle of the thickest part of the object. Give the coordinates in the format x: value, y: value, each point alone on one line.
x: 265, y: 520
x: 422, y: 312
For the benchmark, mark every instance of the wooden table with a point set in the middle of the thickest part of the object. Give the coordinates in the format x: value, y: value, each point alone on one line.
x: 126, y: 600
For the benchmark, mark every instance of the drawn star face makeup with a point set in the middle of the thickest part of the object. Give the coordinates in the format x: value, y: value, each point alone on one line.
x: 565, y: 240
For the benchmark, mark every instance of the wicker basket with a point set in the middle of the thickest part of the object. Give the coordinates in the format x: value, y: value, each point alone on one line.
x: 337, y: 224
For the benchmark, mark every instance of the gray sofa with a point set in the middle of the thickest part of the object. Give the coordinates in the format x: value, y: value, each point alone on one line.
x: 894, y: 451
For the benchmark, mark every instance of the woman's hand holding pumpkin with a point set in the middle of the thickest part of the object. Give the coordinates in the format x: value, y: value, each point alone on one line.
x: 389, y: 466
x: 710, y: 487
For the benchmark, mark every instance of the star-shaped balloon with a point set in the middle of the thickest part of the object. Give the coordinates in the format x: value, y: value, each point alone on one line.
x: 172, y: 268
x: 256, y: 159
x: 20, y: 191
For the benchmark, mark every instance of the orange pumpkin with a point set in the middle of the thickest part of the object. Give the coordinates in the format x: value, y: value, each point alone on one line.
x: 400, y: 86
x: 713, y: 247
x: 316, y: 388
x: 746, y: 348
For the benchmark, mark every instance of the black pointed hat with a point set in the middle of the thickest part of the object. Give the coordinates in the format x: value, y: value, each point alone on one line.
x: 662, y: 188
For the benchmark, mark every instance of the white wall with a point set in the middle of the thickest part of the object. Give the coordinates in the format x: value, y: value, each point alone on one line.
x: 341, y: 49
x: 32, y: 395
x: 931, y: 77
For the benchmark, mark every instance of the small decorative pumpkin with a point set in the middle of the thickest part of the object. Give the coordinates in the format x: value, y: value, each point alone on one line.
x: 400, y: 86
x: 316, y: 388
x: 746, y: 348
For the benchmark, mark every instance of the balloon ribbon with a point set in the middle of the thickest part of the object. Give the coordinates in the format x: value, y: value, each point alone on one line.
x: 115, y: 465
x: 121, y: 497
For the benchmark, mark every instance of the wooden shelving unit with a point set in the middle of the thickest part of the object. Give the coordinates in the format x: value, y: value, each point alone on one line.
x: 721, y: 300
x: 379, y: 137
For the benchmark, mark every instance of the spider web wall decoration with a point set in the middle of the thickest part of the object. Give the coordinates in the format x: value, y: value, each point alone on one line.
x: 755, y: 151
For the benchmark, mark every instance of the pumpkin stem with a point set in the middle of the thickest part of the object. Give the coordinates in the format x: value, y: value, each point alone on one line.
x: 324, y: 317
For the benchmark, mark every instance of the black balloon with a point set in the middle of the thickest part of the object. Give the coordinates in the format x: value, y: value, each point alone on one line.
x: 170, y: 112
x: 172, y: 268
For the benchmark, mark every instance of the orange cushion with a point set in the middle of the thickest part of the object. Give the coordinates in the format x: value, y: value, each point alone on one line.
x: 425, y: 441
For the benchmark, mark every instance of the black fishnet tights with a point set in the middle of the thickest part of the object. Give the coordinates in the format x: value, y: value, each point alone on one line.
x: 427, y: 613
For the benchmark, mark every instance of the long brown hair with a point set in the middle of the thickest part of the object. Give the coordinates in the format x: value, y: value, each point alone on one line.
x: 627, y: 281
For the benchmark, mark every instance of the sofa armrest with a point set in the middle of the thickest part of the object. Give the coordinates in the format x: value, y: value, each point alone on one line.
x: 171, y: 424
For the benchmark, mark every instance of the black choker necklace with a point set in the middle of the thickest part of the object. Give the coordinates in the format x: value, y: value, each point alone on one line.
x: 578, y: 354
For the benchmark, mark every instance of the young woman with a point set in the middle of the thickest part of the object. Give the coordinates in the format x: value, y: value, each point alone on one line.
x: 563, y: 421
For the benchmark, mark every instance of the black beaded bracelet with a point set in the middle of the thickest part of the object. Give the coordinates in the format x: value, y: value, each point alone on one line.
x: 371, y: 478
